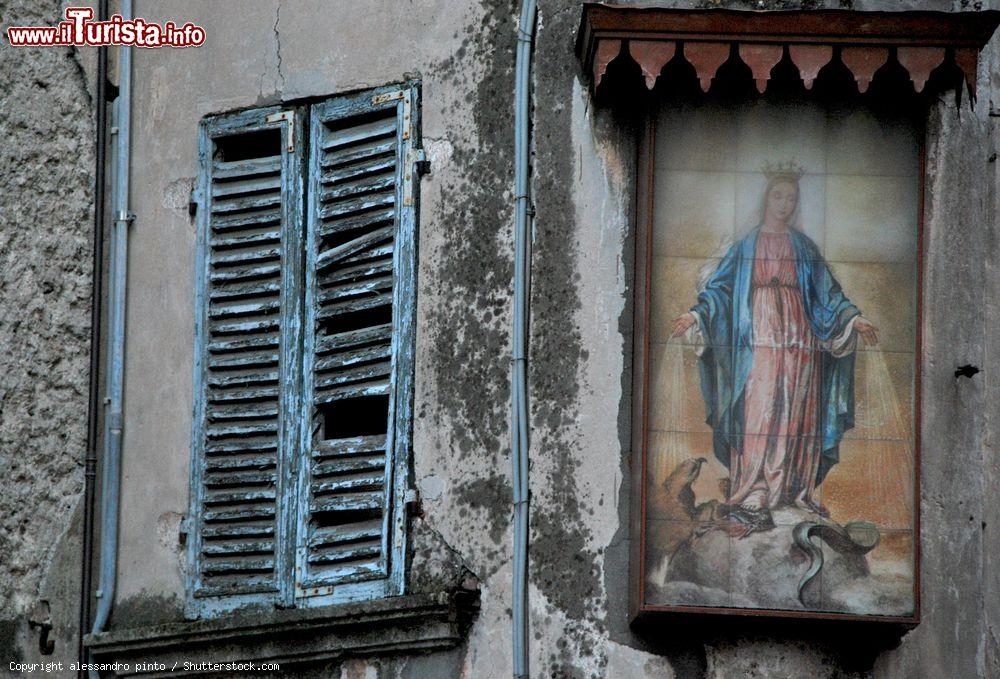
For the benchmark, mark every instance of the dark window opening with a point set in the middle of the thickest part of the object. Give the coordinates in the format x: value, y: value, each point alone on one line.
x: 259, y: 144
x: 361, y: 416
x: 357, y: 320
x: 336, y: 519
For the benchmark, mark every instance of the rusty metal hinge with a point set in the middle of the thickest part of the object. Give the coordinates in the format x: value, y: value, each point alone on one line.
x: 288, y: 117
x: 415, y: 160
x: 421, y: 165
x: 411, y: 500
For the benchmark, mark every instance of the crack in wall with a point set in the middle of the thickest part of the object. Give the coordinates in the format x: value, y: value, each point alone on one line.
x: 277, y: 44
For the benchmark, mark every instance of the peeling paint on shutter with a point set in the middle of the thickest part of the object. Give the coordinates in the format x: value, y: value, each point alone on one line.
x: 358, y: 355
x: 248, y: 360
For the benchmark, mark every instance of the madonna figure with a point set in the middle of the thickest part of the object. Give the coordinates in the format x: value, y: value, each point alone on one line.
x: 776, y: 337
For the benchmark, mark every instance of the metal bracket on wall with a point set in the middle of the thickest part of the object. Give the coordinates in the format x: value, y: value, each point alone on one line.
x: 288, y: 117
x: 387, y: 96
x: 41, y: 619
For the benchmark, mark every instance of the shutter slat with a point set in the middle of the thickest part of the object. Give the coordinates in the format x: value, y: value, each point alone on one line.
x: 358, y: 187
x: 343, y: 174
x: 244, y: 308
x: 239, y: 548
x: 240, y: 463
x: 353, y: 288
x: 255, y: 359
x: 238, y: 514
x: 243, y: 204
x: 366, y: 220
x: 257, y: 288
x: 213, y: 567
x: 356, y: 445
x: 229, y: 479
x: 353, y: 532
x: 369, y: 482
x: 359, y: 133
x: 245, y: 272
x: 245, y: 395
x: 216, y: 431
x: 373, y: 388
x: 353, y: 247
x: 356, y: 272
x: 363, y: 372
x: 350, y: 338
x: 348, y: 466
x: 245, y: 497
x: 238, y: 531
x: 245, y: 326
x: 241, y: 446
x: 227, y: 345
x: 368, y: 150
x: 242, y: 169
x: 352, y: 553
x: 247, y: 186
x: 246, y: 237
x: 351, y: 305
x: 347, y: 358
x: 349, y: 206
x: 375, y: 253
x: 348, y: 503
x: 246, y: 255
x: 250, y: 220
x: 224, y: 379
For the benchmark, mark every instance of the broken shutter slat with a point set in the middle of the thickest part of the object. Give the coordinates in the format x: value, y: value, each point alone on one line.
x: 358, y: 345
x: 247, y: 349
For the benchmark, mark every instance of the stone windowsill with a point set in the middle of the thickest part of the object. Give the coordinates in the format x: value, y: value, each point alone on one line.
x: 413, y: 623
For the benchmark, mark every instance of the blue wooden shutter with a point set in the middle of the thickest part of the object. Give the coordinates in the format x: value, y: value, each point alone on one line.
x: 248, y: 359
x: 358, y: 355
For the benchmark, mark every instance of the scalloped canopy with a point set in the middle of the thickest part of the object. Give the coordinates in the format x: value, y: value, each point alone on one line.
x: 864, y: 42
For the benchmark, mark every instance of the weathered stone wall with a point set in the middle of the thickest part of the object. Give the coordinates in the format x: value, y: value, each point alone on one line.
x: 266, y: 52
x: 46, y: 179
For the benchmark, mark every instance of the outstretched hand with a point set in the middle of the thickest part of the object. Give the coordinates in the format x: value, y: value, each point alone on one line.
x: 680, y: 325
x: 868, y: 332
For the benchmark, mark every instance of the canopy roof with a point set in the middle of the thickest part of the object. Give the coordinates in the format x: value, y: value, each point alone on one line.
x: 864, y: 42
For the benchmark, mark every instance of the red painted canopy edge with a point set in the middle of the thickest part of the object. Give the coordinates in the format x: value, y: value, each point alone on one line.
x: 863, y: 41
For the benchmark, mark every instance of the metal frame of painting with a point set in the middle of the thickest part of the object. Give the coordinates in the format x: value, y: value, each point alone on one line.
x: 940, y: 48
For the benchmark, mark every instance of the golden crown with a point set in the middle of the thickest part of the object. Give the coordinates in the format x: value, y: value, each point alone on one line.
x: 785, y: 170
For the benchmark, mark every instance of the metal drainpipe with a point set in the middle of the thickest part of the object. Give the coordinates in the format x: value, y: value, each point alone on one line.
x: 519, y: 367
x: 93, y: 401
x: 118, y: 271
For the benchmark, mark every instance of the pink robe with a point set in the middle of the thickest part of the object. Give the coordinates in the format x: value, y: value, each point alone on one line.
x: 781, y: 448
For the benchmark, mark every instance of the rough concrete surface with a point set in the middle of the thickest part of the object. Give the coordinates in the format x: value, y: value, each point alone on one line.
x: 46, y: 165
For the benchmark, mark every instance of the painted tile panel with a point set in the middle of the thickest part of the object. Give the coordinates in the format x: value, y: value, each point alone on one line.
x: 780, y: 431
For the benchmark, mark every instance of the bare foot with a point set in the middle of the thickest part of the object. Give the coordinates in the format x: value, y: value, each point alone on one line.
x: 813, y: 507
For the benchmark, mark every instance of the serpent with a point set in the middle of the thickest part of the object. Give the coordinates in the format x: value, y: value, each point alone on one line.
x: 856, y: 537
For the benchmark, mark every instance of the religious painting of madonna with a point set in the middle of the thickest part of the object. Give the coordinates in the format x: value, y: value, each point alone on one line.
x: 780, y: 458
